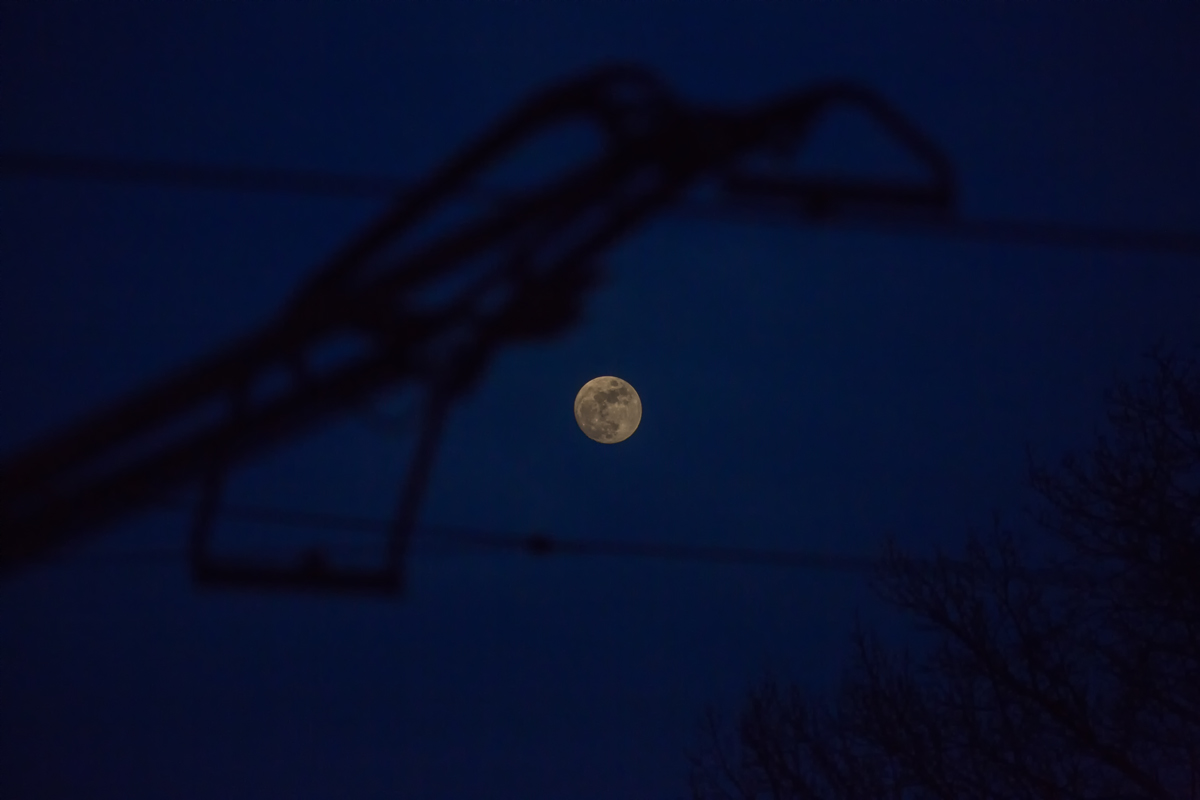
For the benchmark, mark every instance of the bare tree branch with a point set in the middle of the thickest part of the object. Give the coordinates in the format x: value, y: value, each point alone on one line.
x: 1062, y: 663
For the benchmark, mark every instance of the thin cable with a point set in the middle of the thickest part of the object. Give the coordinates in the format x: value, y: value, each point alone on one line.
x: 175, y: 175
x: 311, y: 183
x: 1049, y: 234
x: 537, y: 544
x: 989, y: 231
x: 534, y: 543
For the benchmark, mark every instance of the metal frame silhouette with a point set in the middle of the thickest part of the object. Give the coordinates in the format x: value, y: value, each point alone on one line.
x: 542, y: 248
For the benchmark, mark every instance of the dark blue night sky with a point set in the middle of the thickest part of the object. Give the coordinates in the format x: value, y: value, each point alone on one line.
x: 805, y: 389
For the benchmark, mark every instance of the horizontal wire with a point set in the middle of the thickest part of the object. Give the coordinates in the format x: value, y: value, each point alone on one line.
x: 537, y: 543
x: 541, y: 544
x: 313, y: 183
x: 162, y: 173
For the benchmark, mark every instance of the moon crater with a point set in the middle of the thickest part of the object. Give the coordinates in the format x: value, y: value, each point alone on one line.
x: 608, y: 409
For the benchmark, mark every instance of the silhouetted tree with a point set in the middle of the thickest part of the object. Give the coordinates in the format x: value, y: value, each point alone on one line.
x: 1063, y: 663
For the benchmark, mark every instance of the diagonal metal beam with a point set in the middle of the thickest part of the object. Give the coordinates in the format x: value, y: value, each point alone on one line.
x: 543, y: 249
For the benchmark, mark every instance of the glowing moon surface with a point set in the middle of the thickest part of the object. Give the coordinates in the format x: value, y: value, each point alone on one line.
x: 608, y: 409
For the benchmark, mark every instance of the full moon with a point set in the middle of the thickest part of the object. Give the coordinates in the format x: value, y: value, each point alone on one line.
x: 608, y: 410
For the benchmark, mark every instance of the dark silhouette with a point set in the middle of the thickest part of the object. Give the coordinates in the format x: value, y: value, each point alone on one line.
x: 528, y: 263
x: 1065, y: 664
